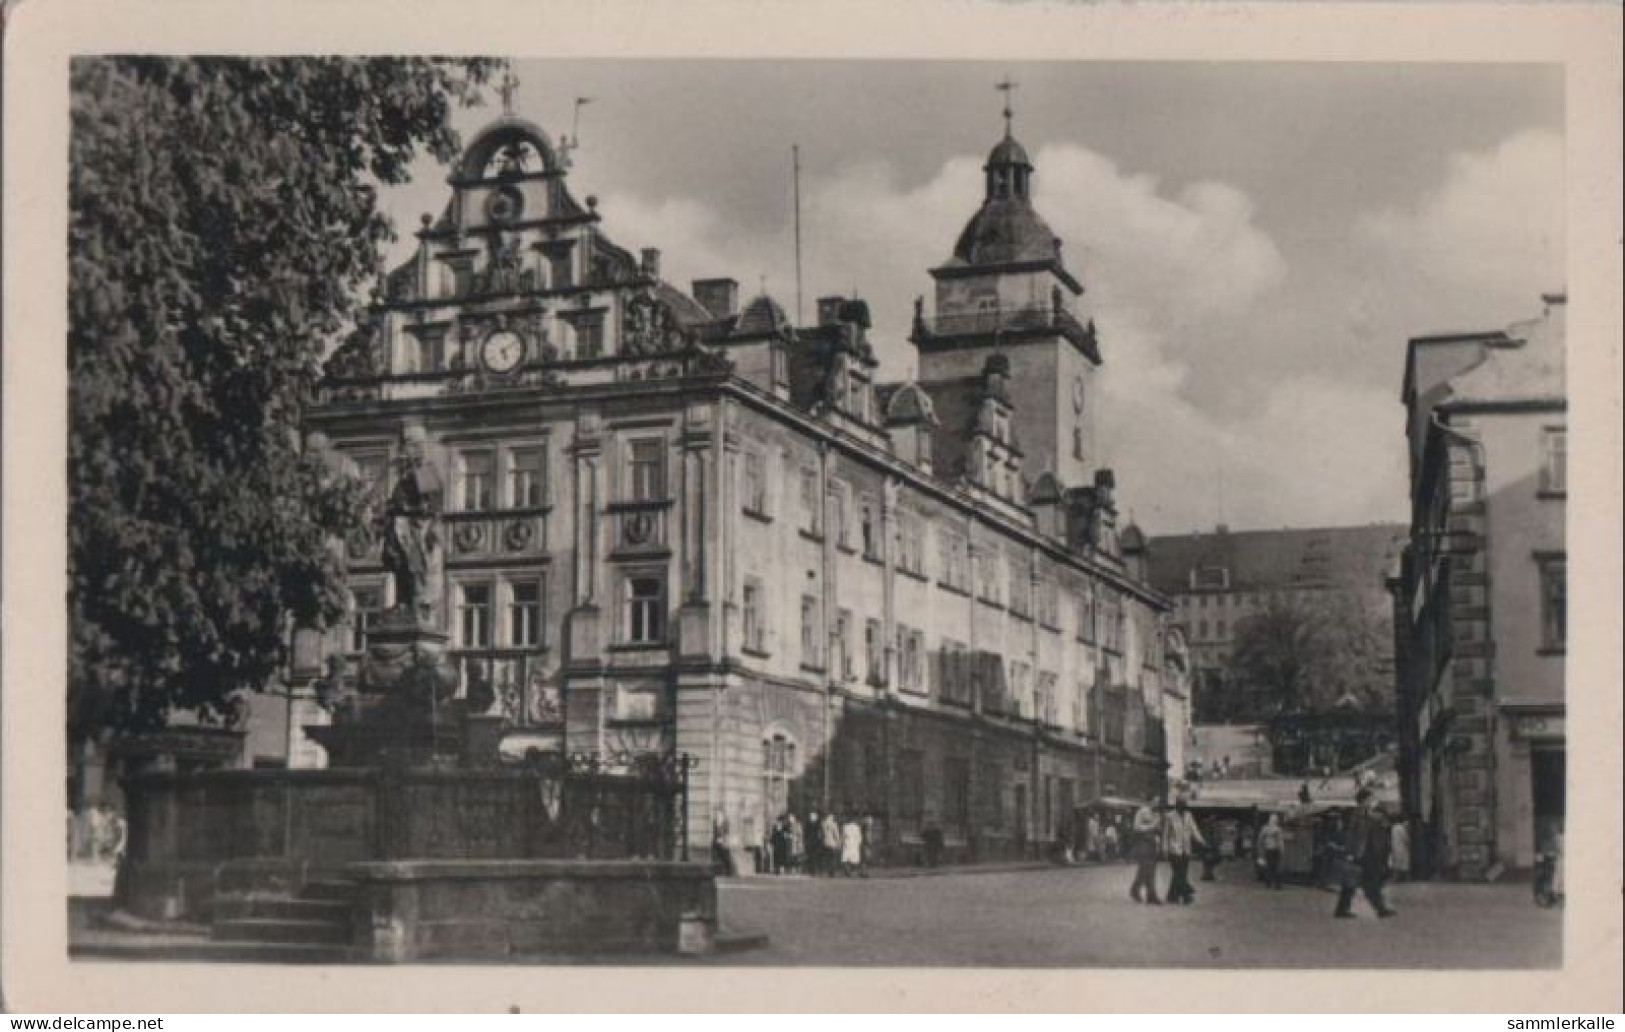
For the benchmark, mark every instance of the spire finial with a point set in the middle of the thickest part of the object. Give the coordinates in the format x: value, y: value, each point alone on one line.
x: 507, y: 88
x: 1007, y: 86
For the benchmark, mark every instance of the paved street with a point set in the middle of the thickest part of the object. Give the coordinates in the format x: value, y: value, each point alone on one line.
x: 1082, y: 917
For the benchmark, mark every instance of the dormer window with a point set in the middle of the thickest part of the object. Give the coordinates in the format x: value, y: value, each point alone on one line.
x: 1210, y: 577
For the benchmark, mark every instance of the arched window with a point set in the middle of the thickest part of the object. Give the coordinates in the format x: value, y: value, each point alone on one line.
x: 781, y: 775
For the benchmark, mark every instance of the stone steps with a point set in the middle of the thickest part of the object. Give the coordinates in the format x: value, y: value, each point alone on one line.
x: 221, y: 952
x: 317, y: 917
x: 330, y: 889
x: 282, y: 931
x: 296, y: 908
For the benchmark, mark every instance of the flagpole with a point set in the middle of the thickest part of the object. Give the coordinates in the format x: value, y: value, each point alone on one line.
x: 795, y: 165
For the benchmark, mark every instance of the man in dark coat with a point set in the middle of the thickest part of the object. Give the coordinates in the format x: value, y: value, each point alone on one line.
x: 1366, y: 844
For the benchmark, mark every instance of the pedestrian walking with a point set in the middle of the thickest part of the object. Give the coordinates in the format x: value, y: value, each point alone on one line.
x: 1113, y: 840
x: 1365, y: 853
x: 1180, y: 838
x: 779, y: 844
x: 1557, y: 865
x: 1210, y: 852
x: 867, y: 825
x: 1091, y: 837
x: 1143, y: 851
x: 761, y: 846
x: 831, y: 844
x: 1271, y: 838
x: 719, y: 843
x: 1399, y: 859
x: 815, y: 844
x: 852, y: 848
x: 798, y: 843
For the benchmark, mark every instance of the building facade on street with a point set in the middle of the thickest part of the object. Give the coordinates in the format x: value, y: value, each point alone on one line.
x: 1218, y: 580
x: 677, y: 521
x: 1480, y: 597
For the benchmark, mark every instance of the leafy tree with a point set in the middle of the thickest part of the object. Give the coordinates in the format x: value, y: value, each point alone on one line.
x: 223, y: 218
x: 1309, y: 656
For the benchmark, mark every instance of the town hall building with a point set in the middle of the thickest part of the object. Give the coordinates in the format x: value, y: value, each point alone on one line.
x: 676, y: 521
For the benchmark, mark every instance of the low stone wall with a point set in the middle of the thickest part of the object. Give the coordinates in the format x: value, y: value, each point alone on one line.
x: 196, y: 834
x: 489, y: 909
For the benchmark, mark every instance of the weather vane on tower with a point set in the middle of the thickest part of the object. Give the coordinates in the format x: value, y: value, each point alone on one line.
x: 1007, y: 87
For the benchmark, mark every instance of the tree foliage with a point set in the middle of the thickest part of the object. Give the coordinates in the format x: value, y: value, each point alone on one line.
x: 223, y: 218
x: 1302, y: 656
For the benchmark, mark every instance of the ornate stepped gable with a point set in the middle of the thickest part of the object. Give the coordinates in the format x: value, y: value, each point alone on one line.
x: 514, y: 255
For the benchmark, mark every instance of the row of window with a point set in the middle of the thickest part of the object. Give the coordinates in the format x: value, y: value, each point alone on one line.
x: 506, y: 611
x: 509, y: 611
x: 514, y: 475
x: 1244, y: 599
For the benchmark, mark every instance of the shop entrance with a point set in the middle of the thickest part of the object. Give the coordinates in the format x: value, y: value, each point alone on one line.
x: 1547, y: 768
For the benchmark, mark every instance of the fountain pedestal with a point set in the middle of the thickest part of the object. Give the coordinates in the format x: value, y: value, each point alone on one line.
x: 402, y: 711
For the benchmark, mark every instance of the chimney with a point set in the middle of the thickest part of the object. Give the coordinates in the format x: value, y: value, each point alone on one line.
x: 719, y: 296
x: 829, y: 310
x: 651, y: 262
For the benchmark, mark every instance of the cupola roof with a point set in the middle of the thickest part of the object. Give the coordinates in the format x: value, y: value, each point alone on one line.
x: 762, y: 315
x: 1007, y: 152
x: 1004, y: 231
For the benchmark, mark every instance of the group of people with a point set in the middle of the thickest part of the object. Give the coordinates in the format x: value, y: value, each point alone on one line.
x: 1103, y: 837
x: 1360, y: 852
x: 1156, y: 834
x: 822, y: 845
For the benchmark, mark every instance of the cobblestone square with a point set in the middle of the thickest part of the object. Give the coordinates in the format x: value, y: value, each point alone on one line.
x: 1083, y: 917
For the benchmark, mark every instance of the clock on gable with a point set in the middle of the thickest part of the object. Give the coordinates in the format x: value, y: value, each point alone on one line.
x: 502, y: 351
x: 504, y: 205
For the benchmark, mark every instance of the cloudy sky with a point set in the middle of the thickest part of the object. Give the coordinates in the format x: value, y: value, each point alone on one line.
x: 1257, y: 241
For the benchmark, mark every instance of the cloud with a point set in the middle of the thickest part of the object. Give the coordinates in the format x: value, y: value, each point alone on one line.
x: 1159, y: 267
x: 1197, y: 307
x: 1487, y: 240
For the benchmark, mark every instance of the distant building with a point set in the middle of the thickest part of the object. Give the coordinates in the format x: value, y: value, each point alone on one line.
x: 1480, y: 597
x: 676, y: 522
x: 1218, y: 580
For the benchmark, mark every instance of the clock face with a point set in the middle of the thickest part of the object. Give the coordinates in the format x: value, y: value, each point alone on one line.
x: 503, y: 351
x: 504, y: 205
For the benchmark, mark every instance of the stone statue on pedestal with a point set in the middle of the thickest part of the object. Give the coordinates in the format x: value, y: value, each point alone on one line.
x: 411, y: 541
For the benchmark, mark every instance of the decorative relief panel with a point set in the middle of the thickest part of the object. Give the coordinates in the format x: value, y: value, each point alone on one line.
x: 638, y: 702
x: 475, y: 536
x: 641, y: 530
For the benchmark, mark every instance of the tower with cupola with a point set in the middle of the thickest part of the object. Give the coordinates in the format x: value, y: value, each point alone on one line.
x: 1005, y: 291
